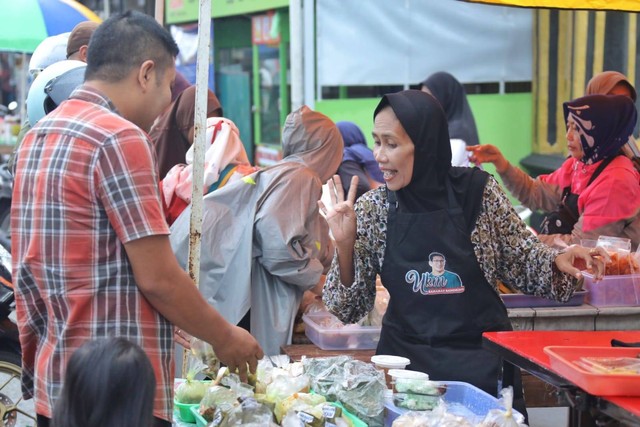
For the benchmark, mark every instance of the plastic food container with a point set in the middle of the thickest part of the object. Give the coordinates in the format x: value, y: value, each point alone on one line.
x: 521, y: 300
x: 184, y: 411
x: 463, y: 399
x: 563, y: 360
x: 326, y: 331
x: 621, y: 290
x: 389, y: 363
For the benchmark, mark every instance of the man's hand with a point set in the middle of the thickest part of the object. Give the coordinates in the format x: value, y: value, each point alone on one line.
x: 239, y: 350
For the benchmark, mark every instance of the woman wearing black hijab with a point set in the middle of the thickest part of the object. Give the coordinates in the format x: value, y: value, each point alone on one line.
x: 453, y: 99
x: 431, y: 219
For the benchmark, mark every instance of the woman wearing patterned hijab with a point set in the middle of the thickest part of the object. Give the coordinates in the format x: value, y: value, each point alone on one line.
x: 616, y: 83
x: 431, y: 222
x: 596, y: 191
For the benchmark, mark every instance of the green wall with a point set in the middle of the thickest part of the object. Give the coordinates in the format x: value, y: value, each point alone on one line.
x: 502, y: 120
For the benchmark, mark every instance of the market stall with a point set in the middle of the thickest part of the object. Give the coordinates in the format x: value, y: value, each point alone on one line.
x: 526, y: 350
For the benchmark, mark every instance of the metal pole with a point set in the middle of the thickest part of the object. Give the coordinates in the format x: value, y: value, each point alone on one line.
x: 309, y: 80
x: 202, y: 78
x: 159, y: 11
x: 296, y: 40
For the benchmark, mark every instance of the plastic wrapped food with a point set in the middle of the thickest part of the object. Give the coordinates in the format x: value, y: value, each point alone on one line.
x: 249, y: 412
x: 506, y: 417
x: 416, y: 402
x: 217, y: 403
x: 436, y: 418
x: 305, y: 402
x: 191, y: 391
x: 204, y: 352
x: 419, y: 386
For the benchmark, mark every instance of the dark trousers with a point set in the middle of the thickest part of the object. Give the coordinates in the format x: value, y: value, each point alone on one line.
x: 157, y: 422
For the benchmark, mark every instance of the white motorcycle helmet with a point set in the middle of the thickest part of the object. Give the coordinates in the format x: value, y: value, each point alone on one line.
x: 52, y: 86
x: 49, y: 51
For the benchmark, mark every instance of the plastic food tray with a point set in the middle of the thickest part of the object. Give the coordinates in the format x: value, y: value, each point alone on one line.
x: 623, y: 290
x: 562, y: 360
x: 473, y: 403
x: 343, y: 337
x: 522, y: 300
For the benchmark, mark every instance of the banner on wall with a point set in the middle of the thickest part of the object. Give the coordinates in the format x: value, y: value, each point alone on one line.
x: 623, y: 5
x: 397, y: 43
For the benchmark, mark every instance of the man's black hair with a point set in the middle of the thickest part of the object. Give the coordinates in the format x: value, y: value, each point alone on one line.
x: 125, y: 41
x: 435, y: 254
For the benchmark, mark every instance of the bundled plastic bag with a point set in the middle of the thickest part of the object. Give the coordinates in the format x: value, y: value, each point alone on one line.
x: 203, y: 351
x: 504, y: 418
x: 192, y: 390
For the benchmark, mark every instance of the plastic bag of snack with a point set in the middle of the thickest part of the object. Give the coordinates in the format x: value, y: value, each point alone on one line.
x: 217, y: 404
x: 249, y: 412
x: 506, y: 417
x: 204, y: 352
x: 192, y: 390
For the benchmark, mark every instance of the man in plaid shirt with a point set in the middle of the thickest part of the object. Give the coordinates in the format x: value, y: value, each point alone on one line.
x: 92, y: 257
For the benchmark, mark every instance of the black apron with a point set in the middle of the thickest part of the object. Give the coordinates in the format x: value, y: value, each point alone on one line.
x: 562, y: 220
x: 437, y: 322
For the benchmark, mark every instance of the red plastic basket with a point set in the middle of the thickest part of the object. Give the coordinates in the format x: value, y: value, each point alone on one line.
x: 563, y: 360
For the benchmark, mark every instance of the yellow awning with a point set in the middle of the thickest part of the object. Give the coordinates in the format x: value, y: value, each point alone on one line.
x: 624, y: 5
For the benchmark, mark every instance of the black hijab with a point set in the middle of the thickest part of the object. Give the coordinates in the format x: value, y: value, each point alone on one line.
x: 451, y: 95
x: 425, y: 123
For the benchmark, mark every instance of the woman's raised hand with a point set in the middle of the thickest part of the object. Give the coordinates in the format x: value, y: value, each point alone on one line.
x: 340, y: 215
x: 487, y: 153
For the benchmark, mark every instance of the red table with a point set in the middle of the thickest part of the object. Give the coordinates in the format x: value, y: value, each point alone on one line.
x: 525, y: 350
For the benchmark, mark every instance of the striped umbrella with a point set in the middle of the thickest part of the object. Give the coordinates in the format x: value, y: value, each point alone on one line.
x: 25, y: 23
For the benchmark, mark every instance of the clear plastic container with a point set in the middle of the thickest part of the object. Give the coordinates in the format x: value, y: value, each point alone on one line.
x: 328, y: 333
x: 622, y: 290
x: 388, y: 363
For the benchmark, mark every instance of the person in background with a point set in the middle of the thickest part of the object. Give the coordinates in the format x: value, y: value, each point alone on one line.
x: 225, y: 161
x: 51, y: 50
x: 616, y: 83
x: 462, y: 126
x: 461, y: 213
x: 172, y: 133
x: 107, y: 383
x: 263, y: 240
x: 90, y: 248
x: 78, y: 42
x: 357, y: 159
x: 179, y: 85
x: 578, y: 196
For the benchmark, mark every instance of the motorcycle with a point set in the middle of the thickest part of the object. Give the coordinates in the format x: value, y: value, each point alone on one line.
x: 14, y: 410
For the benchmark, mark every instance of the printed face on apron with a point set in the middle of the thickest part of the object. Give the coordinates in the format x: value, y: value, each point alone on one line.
x: 436, y: 282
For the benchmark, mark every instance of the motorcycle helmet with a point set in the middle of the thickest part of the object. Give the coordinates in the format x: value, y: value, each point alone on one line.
x: 49, y: 51
x: 52, y: 86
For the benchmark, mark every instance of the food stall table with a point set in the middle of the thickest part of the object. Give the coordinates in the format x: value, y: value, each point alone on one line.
x: 525, y: 349
x: 296, y: 351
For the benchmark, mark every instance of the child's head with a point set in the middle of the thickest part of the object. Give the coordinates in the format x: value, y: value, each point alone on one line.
x: 108, y: 383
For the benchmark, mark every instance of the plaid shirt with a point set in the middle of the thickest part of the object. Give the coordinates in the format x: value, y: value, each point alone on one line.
x: 85, y: 184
